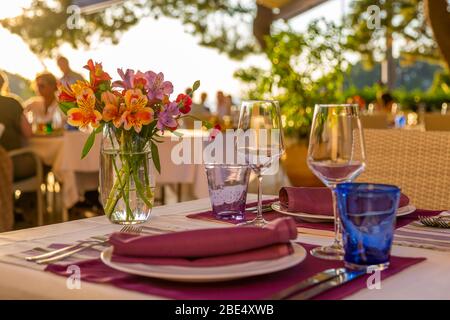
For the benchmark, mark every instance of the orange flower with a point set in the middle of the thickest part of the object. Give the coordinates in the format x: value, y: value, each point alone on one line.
x: 96, y: 73
x: 65, y: 94
x: 113, y: 109
x: 85, y: 114
x: 136, y: 113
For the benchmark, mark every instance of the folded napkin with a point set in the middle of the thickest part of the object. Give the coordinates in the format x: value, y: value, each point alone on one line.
x: 314, y: 200
x: 207, y: 247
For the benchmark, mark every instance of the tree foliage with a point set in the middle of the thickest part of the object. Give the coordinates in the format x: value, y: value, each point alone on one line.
x: 222, y: 24
x: 403, y: 19
x: 305, y: 69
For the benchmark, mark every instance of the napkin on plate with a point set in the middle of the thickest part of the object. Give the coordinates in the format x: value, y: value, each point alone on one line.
x: 207, y: 247
x: 314, y: 200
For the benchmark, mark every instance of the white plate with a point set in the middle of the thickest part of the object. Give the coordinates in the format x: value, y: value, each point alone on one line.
x: 403, y: 211
x: 208, y: 274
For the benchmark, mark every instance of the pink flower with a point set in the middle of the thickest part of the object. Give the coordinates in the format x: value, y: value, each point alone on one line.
x: 156, y: 87
x: 166, y: 117
x: 130, y: 79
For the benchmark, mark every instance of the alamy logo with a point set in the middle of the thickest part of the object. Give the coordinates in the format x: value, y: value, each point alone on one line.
x: 374, y: 280
x: 74, y: 280
x: 74, y: 19
x: 374, y: 18
x: 253, y: 147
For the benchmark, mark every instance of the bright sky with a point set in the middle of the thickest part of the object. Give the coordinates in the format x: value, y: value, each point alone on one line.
x: 183, y: 61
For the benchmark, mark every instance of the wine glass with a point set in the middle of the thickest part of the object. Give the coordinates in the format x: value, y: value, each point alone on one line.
x: 259, y: 143
x: 336, y: 154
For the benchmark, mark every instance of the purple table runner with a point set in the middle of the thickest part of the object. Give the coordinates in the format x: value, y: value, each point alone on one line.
x: 269, y: 216
x: 259, y: 287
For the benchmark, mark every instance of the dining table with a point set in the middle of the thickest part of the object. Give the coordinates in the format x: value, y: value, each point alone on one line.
x: 63, y: 154
x: 429, y: 279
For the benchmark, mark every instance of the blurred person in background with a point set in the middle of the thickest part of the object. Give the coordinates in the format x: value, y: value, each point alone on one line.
x: 203, y: 98
x: 385, y: 104
x: 221, y: 105
x: 69, y: 76
x: 44, y: 109
x: 198, y: 111
x: 16, y: 133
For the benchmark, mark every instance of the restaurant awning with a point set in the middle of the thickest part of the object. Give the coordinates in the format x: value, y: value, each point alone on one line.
x: 271, y: 10
x: 289, y: 8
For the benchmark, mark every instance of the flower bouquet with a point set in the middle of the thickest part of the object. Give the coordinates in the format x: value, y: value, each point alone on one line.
x: 132, y: 114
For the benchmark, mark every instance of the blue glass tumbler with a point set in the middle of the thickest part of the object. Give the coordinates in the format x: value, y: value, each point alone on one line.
x: 368, y: 216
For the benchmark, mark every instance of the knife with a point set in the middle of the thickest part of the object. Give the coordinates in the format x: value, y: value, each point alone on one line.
x: 314, y: 280
x: 265, y: 208
x: 332, y: 283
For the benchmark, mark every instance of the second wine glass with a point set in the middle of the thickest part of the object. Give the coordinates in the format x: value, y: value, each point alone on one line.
x: 259, y: 143
x: 336, y: 154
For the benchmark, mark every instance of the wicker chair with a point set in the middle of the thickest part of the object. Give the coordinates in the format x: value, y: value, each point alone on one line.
x: 437, y: 122
x: 418, y: 162
x: 6, y: 190
x: 374, y: 121
x: 32, y: 184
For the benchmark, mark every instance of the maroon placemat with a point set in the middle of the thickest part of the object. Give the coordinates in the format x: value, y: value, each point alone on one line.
x: 272, y: 215
x: 260, y: 287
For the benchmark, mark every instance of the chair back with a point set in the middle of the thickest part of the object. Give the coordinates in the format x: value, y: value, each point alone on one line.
x: 437, y: 122
x: 374, y: 121
x: 6, y: 191
x: 417, y: 161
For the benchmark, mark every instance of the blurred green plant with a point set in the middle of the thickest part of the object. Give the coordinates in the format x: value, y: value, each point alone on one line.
x: 305, y: 69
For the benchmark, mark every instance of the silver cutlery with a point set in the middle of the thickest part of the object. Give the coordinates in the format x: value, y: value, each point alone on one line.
x: 56, y: 255
x: 157, y: 229
x: 435, y: 222
x: 61, y: 250
x: 265, y: 208
x: 311, y: 281
x: 330, y: 284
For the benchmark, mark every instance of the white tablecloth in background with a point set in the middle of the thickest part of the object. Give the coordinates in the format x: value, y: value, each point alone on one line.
x: 63, y: 154
x: 78, y: 175
x: 427, y: 280
x: 193, y: 174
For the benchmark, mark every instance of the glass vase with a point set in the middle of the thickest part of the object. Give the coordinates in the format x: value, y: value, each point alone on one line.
x: 127, y: 181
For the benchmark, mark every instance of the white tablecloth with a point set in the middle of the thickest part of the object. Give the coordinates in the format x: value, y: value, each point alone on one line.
x: 192, y: 172
x: 78, y: 175
x: 63, y: 154
x: 427, y: 280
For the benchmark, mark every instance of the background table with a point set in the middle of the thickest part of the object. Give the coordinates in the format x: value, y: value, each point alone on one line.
x: 63, y: 155
x: 427, y: 280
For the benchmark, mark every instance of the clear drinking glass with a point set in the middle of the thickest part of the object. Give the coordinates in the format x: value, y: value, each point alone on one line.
x: 227, y: 184
x: 336, y: 154
x: 259, y: 143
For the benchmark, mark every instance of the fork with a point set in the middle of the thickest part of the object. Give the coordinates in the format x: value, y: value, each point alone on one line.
x: 60, y: 254
x: 435, y: 222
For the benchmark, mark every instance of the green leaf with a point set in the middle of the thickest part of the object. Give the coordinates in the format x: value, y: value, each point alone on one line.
x: 90, y: 142
x: 66, y: 106
x: 155, y: 157
x: 196, y: 85
x: 207, y: 125
x: 178, y: 134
